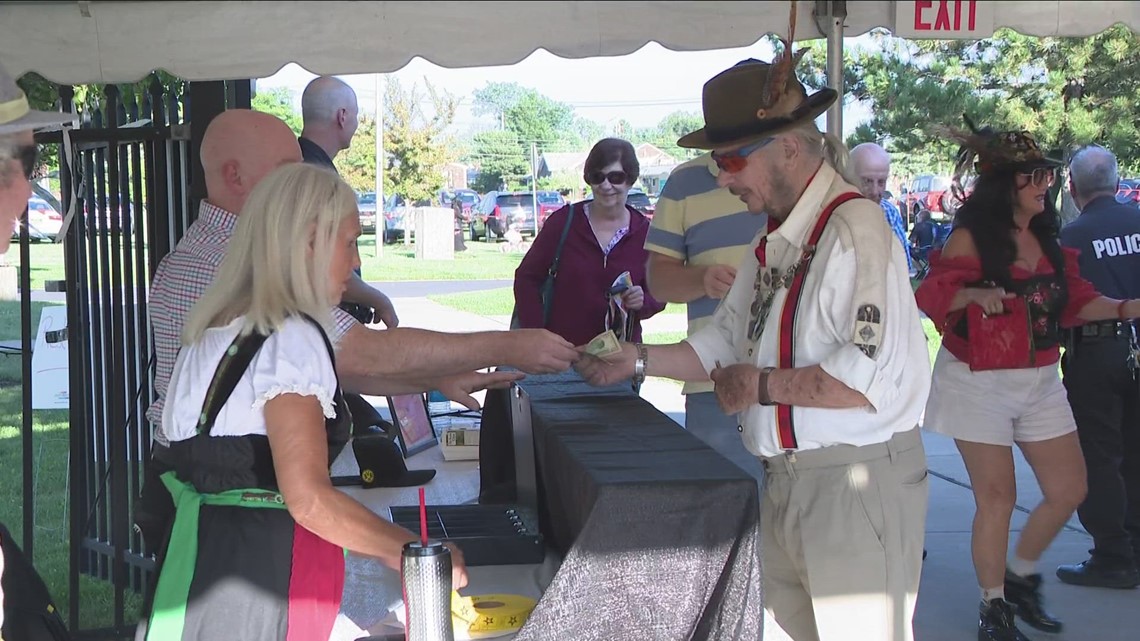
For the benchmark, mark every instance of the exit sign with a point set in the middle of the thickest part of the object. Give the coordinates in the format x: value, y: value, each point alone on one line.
x: 949, y: 19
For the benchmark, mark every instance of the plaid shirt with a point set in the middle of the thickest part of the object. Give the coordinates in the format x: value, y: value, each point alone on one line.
x: 895, y: 220
x: 180, y: 280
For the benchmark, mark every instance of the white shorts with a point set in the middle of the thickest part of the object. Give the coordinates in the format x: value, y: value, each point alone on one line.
x: 998, y: 407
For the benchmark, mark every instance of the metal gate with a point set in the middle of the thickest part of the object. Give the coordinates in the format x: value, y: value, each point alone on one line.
x: 132, y: 163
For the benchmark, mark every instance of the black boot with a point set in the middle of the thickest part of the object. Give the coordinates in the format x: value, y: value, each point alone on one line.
x: 1024, y: 593
x: 1098, y: 574
x: 995, y: 622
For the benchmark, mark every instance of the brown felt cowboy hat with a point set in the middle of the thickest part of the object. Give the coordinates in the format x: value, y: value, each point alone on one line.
x: 749, y: 102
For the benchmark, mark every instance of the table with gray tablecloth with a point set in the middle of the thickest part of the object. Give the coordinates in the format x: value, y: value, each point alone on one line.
x: 659, y: 533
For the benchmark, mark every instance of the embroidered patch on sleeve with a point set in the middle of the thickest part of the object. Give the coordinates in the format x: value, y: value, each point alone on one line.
x: 868, y: 329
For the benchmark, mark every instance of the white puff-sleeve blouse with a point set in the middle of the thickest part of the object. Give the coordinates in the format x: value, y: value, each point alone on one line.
x: 293, y: 360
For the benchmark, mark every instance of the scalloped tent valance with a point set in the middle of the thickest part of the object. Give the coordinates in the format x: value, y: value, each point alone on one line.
x: 99, y: 42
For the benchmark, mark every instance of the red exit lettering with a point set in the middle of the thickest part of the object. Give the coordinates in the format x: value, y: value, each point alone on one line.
x: 942, y: 20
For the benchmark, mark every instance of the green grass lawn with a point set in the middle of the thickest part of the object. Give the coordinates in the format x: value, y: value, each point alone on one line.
x: 50, y: 448
x: 500, y: 302
x: 480, y: 261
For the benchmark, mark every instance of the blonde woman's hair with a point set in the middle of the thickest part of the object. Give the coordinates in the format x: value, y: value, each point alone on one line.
x: 830, y: 148
x: 277, y: 262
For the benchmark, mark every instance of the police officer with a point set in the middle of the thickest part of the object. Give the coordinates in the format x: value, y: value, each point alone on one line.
x: 1101, y: 376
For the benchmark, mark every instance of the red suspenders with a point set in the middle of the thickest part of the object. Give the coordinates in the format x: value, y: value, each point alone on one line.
x: 785, y: 425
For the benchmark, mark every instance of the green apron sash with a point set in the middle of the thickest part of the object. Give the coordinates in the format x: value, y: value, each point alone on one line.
x: 168, y: 616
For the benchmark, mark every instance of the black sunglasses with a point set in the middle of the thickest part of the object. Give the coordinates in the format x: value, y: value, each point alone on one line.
x: 615, y: 177
x: 29, y: 157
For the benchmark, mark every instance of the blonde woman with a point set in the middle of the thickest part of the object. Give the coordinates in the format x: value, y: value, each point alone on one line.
x: 255, y: 417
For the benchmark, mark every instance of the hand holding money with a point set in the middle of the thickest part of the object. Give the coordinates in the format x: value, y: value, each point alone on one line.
x: 604, y: 345
x: 613, y: 369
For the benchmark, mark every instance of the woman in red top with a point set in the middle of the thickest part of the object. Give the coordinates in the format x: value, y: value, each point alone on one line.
x: 1005, y: 246
x: 606, y: 238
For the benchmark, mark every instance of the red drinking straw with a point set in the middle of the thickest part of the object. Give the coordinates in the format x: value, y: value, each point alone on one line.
x: 423, y: 519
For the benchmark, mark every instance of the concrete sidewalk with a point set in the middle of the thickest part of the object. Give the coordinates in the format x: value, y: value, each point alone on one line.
x: 948, y: 600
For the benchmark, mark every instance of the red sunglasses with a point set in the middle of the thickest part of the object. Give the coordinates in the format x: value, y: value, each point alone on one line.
x: 734, y: 162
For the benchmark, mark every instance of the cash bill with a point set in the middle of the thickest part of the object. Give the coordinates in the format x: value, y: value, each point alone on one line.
x: 604, y: 345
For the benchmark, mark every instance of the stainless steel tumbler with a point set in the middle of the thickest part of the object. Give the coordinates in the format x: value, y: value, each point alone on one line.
x: 425, y: 571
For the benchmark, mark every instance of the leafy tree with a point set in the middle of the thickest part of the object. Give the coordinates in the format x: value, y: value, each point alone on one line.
x: 587, y: 133
x: 500, y: 158
x: 497, y: 98
x: 414, y: 142
x: 538, y: 119
x: 278, y: 101
x: 357, y: 164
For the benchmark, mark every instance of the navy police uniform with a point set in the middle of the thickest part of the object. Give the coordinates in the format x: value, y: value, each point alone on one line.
x: 1102, y: 383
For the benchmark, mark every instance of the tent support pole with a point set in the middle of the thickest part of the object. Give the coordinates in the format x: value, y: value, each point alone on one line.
x: 829, y: 20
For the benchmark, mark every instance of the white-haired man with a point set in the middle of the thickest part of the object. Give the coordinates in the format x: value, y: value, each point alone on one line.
x: 814, y: 347
x: 871, y: 165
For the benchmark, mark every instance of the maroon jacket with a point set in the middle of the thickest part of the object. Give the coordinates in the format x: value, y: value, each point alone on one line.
x: 585, y: 274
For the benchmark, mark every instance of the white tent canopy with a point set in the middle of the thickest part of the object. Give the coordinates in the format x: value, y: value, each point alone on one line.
x: 100, y: 42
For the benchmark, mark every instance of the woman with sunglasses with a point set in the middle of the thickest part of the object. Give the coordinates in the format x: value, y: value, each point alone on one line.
x: 596, y: 241
x: 1004, y: 269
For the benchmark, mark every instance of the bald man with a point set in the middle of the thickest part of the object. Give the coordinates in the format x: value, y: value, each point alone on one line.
x: 239, y: 148
x: 331, y: 115
x: 872, y: 165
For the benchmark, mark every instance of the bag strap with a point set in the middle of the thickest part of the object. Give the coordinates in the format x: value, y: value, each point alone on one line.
x: 552, y: 272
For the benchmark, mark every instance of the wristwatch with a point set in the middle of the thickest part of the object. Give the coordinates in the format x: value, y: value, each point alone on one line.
x: 640, y: 363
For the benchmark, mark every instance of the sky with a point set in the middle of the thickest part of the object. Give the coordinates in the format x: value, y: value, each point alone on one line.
x: 641, y: 87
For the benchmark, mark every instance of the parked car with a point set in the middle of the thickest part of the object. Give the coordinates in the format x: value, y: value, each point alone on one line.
x: 1129, y: 192
x: 640, y: 201
x: 366, y: 204
x: 933, y: 192
x: 395, y: 217
x: 548, y: 203
x: 500, y: 209
x: 44, y: 222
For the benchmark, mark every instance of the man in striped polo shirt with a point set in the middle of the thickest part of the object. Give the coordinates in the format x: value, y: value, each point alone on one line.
x: 700, y: 233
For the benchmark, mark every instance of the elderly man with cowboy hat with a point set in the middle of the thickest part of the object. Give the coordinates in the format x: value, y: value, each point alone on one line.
x: 819, y: 351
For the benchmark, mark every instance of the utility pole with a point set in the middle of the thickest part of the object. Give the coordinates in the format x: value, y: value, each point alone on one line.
x: 534, y: 184
x: 378, y: 106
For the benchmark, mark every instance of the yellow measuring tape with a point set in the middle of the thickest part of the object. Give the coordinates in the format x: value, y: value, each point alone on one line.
x: 490, y: 615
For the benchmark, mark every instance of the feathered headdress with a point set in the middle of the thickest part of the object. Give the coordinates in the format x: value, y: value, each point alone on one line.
x: 982, y: 151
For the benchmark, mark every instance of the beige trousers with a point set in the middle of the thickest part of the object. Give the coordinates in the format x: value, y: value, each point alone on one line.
x: 843, y: 531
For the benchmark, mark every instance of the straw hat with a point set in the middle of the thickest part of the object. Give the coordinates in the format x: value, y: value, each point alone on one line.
x: 754, y: 100
x: 16, y: 115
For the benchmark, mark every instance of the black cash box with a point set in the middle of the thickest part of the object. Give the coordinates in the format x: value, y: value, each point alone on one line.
x: 487, y: 534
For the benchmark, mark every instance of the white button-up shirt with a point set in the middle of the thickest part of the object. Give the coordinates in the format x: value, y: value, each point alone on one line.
x: 857, y: 264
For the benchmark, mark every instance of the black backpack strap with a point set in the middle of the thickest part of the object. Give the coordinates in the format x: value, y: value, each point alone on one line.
x: 230, y: 370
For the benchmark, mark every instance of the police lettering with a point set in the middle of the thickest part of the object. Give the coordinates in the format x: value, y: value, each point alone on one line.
x: 1117, y: 246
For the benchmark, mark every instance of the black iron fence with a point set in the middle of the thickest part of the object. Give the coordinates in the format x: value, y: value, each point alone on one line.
x: 129, y: 182
x: 125, y: 202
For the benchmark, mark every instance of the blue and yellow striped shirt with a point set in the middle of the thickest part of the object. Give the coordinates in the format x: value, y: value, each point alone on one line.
x: 702, y: 224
